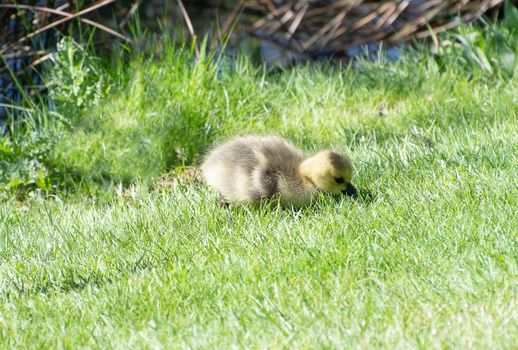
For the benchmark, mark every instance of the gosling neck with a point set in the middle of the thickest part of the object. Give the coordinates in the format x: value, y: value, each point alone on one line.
x: 305, y: 170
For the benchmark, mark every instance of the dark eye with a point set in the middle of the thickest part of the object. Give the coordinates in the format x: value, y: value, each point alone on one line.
x: 339, y: 180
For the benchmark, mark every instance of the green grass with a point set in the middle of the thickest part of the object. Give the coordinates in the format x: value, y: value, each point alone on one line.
x: 427, y: 257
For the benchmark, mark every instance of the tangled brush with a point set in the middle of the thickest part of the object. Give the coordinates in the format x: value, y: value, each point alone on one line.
x: 333, y: 26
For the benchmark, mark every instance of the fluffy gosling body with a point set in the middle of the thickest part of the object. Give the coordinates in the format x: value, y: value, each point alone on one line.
x: 249, y: 169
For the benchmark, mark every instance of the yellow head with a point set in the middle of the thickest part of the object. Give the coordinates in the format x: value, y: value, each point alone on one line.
x: 329, y: 172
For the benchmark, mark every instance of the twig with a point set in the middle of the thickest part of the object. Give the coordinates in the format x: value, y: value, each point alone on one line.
x: 296, y: 21
x: 130, y: 13
x: 332, y: 26
x: 189, y: 26
x: 60, y: 21
x: 232, y: 17
x: 69, y: 15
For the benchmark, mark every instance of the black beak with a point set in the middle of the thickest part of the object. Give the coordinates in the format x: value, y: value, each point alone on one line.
x: 350, y: 191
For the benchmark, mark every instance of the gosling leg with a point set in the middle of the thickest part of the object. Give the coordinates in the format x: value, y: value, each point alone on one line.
x: 223, y: 202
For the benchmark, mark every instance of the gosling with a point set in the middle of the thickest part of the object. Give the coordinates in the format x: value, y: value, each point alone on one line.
x: 253, y: 168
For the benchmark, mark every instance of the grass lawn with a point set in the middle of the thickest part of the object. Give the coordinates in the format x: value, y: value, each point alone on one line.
x: 427, y: 257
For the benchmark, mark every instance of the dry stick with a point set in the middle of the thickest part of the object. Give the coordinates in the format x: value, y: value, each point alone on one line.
x: 286, y: 15
x: 296, y: 21
x: 18, y: 54
x: 35, y: 63
x: 62, y: 20
x: 333, y: 8
x: 280, y: 23
x: 323, y: 30
x: 458, y: 7
x: 380, y: 23
x: 229, y: 21
x: 425, y: 6
x: 270, y: 16
x: 294, y: 25
x: 67, y: 14
x: 331, y: 35
x: 284, y: 45
x: 402, y: 6
x: 269, y: 5
x: 464, y: 19
x: 374, y: 37
x: 412, y: 26
x: 402, y: 36
x: 190, y: 27
x: 130, y: 13
x: 365, y: 20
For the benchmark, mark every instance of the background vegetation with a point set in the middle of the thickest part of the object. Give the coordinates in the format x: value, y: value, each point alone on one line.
x: 142, y: 115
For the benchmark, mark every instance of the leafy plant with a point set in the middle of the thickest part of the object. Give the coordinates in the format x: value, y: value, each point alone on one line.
x: 22, y: 157
x: 489, y: 52
x: 76, y: 80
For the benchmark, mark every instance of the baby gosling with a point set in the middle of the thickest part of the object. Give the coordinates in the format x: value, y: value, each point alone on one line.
x: 253, y: 168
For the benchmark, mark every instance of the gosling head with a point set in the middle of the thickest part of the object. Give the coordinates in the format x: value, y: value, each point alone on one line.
x: 329, y: 172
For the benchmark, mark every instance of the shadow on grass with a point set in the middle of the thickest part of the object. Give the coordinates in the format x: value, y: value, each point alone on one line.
x: 364, y: 196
